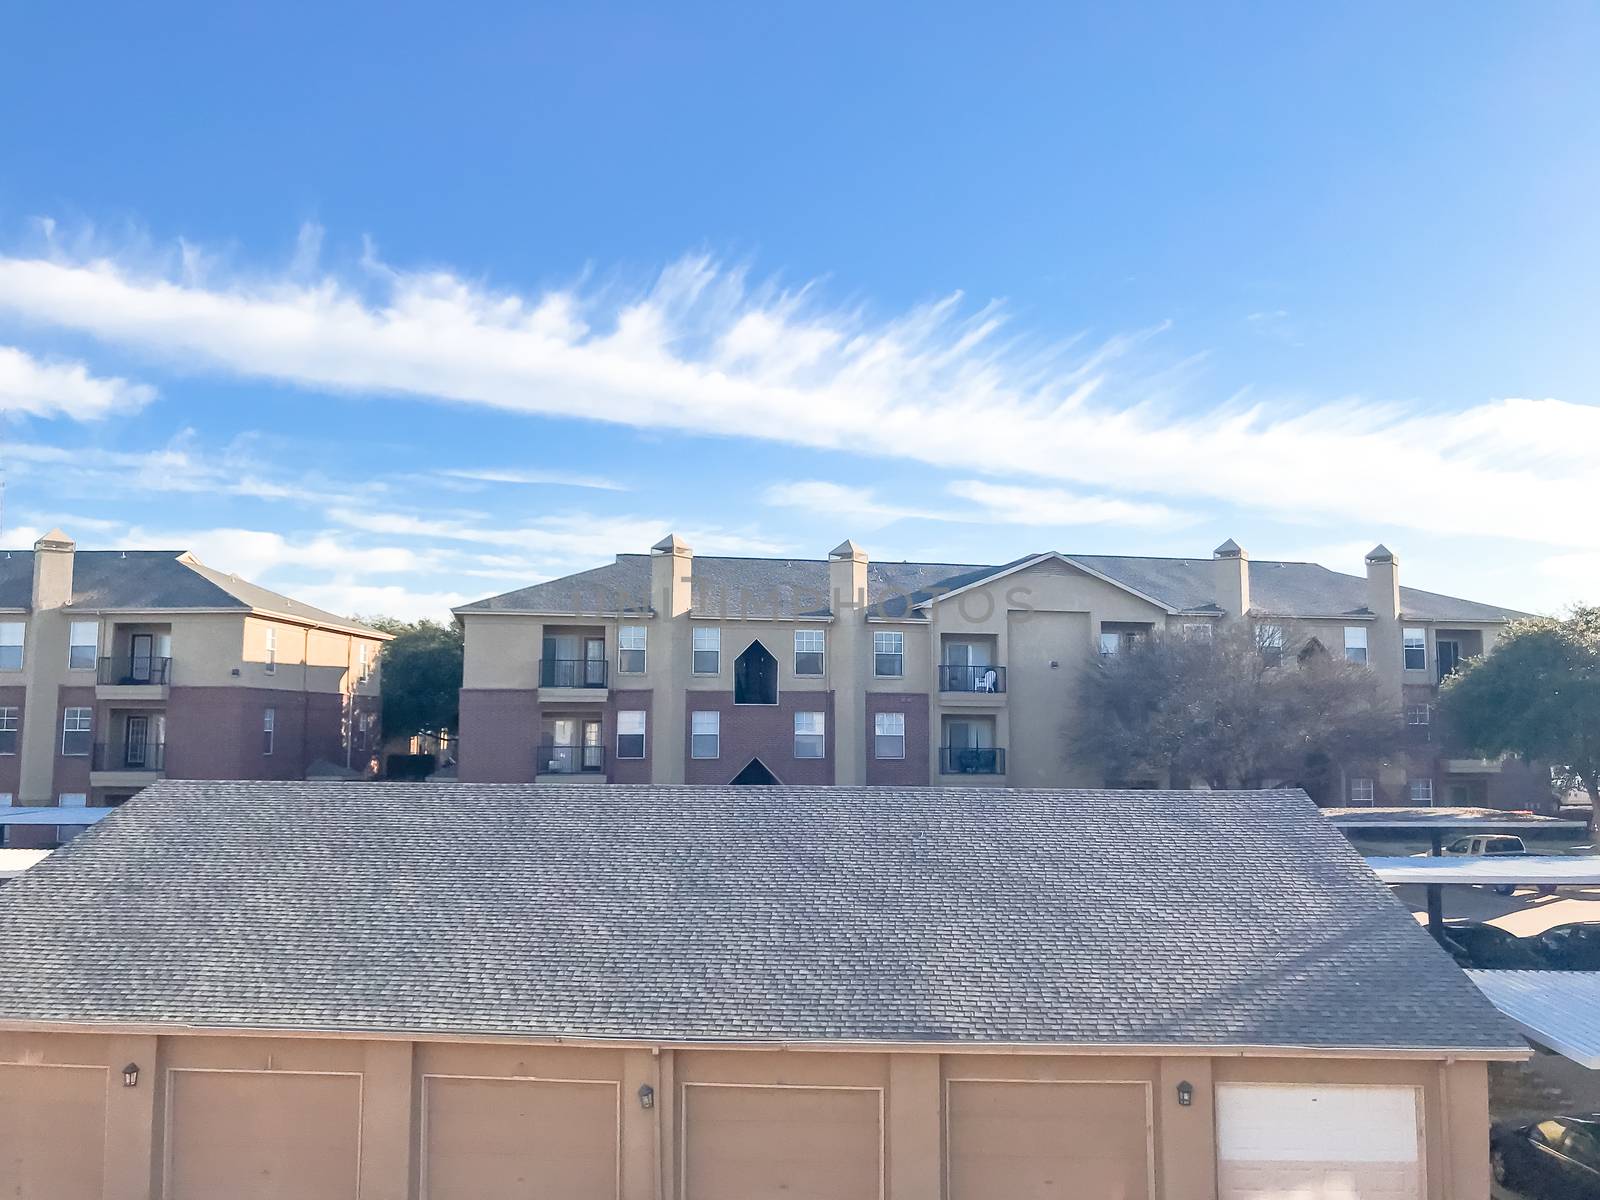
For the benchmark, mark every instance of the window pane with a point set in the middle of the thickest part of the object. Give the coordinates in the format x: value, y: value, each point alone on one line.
x: 1416, y: 652
x: 808, y: 735
x: 84, y: 646
x: 704, y: 731
x: 1110, y: 643
x: 77, y: 733
x: 889, y: 735
x: 630, y: 734
x: 707, y: 639
x: 11, y: 633
x: 1355, y: 643
x: 1361, y: 789
x: 630, y: 649
x: 706, y: 662
x: 808, y: 652
x: 9, y: 722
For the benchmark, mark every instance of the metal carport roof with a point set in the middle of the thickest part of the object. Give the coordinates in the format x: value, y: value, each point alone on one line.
x: 1526, y: 870
x: 1558, y: 1009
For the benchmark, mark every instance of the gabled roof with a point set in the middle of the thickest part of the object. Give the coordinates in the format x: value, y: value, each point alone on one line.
x: 688, y: 914
x: 157, y: 579
x: 798, y: 587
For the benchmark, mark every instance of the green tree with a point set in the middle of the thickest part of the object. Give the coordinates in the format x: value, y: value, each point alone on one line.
x: 1247, y: 707
x: 421, y: 676
x: 1535, y: 695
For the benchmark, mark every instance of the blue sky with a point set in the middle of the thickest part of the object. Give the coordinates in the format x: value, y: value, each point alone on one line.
x: 398, y: 306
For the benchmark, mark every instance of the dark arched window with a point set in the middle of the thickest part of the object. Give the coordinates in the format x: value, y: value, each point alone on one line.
x: 755, y: 676
x: 755, y: 774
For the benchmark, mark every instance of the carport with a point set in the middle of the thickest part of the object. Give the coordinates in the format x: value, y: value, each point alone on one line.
x: 1558, y: 1009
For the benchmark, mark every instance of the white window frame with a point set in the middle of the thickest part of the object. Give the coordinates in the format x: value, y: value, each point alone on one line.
x: 269, y: 729
x: 1270, y: 641
x: 1413, y: 638
x: 705, y: 724
x: 1420, y: 791
x: 627, y: 636
x: 77, y: 719
x: 11, y: 722
x: 1363, y: 790
x: 1427, y: 715
x: 888, y: 637
x: 818, y: 735
x: 820, y: 650
x: 1355, y: 645
x: 73, y: 800
x: 10, y: 630
x: 1110, y: 643
x: 77, y: 630
x: 890, y: 727
x: 363, y: 662
x: 270, y: 666
x: 625, y: 723
x: 1198, y: 629
x: 712, y: 639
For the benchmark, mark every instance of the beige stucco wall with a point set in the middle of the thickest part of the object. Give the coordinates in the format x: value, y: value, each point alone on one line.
x: 395, y: 1120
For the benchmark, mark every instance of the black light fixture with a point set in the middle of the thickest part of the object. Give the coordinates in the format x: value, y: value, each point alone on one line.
x: 130, y: 1075
x: 1185, y: 1094
x: 647, y: 1096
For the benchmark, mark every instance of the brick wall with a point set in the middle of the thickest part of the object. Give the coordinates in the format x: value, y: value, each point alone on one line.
x: 499, y: 729
x: 913, y: 769
x: 764, y: 731
x: 630, y: 770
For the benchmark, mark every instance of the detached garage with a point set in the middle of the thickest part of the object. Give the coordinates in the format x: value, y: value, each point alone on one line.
x: 473, y: 992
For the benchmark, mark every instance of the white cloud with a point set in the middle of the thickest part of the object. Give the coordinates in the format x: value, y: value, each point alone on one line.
x: 29, y: 387
x: 534, y: 478
x: 989, y: 504
x: 702, y: 350
x: 369, y: 600
x: 860, y: 506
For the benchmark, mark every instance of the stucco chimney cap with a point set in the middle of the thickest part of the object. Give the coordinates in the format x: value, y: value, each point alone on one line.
x: 1380, y: 554
x: 847, y: 549
x: 55, y: 540
x: 1229, y: 549
x: 671, y: 544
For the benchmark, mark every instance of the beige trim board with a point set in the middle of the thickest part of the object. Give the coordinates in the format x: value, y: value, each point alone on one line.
x: 682, y: 1116
x: 1086, y: 1049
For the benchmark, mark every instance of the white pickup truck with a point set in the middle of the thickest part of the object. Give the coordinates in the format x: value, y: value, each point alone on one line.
x: 1480, y: 844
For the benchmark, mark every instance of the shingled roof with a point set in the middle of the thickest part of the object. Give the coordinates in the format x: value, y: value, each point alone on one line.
x: 690, y: 914
x: 158, y: 579
x: 798, y: 587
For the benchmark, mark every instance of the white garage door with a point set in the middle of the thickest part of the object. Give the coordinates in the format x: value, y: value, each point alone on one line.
x: 1317, y: 1142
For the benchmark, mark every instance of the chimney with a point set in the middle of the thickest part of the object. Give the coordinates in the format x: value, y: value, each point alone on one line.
x: 847, y: 576
x: 52, y: 571
x: 1383, y: 582
x: 1233, y: 578
x: 671, y: 576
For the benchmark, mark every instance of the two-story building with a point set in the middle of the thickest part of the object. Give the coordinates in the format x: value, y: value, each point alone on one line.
x: 672, y: 668
x: 122, y: 667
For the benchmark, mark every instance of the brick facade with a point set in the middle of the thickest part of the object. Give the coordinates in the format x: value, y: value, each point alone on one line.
x: 764, y: 731
x: 912, y: 770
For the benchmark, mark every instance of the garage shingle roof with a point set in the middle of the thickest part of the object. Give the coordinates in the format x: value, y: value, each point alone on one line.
x: 689, y: 914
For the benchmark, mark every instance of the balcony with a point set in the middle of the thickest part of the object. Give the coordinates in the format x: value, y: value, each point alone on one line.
x: 972, y: 680
x: 569, y: 760
x: 133, y: 677
x: 573, y: 678
x: 971, y: 760
x: 127, y: 764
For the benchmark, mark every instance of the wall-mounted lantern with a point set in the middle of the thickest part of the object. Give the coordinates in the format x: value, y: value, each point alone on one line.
x: 130, y: 1075
x: 647, y: 1096
x: 1185, y: 1094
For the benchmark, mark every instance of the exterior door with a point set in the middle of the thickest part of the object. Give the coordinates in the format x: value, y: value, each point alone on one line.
x: 593, y: 747
x: 1449, y: 657
x: 136, y: 749
x: 141, y: 655
x: 594, y: 662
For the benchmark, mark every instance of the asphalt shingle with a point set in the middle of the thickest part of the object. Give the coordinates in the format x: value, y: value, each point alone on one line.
x: 713, y: 914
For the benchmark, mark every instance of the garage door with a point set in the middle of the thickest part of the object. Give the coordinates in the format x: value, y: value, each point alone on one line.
x: 518, y: 1139
x: 782, y: 1143
x: 254, y: 1135
x: 1043, y: 1141
x: 1318, y: 1143
x: 52, y: 1131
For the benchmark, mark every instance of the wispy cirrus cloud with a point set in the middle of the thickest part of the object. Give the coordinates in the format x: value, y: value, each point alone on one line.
x: 528, y: 478
x: 35, y: 388
x: 987, y: 504
x: 703, y: 349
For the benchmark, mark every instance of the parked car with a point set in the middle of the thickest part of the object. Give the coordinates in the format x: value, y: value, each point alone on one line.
x: 1574, y: 947
x: 1485, y: 843
x: 1554, y: 1159
x: 1476, y: 945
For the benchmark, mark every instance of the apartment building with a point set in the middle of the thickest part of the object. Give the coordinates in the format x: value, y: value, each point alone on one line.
x: 119, y: 668
x: 672, y: 668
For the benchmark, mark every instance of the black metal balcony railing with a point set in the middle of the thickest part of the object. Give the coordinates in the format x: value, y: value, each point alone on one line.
x: 972, y: 760
x: 572, y: 672
x: 971, y: 679
x: 135, y: 670
x: 130, y: 756
x: 569, y: 760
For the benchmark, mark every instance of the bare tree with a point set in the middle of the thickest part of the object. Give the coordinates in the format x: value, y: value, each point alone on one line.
x: 1249, y: 706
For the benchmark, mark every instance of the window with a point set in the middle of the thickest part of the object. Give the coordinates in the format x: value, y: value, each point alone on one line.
x: 1269, y: 640
x: 10, y: 722
x: 809, y: 729
x: 888, y: 654
x: 269, y: 729
x: 77, y: 731
x: 73, y: 799
x: 755, y: 676
x: 1361, y: 791
x: 889, y: 735
x: 11, y: 645
x: 1355, y: 644
x: 630, y: 732
x: 85, y: 646
x: 6, y: 799
x: 272, y: 651
x: 363, y: 663
x: 1200, y: 630
x: 705, y: 735
x: 1416, y: 651
x: 1419, y: 714
x: 1110, y: 643
x: 1422, y: 791
x: 808, y: 652
x: 707, y: 658
x: 630, y: 650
